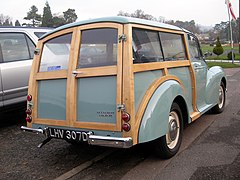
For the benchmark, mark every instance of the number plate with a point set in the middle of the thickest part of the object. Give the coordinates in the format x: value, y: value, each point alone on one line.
x: 78, y: 136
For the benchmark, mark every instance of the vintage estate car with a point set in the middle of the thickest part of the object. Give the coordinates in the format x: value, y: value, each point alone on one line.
x: 119, y: 82
x: 17, y: 45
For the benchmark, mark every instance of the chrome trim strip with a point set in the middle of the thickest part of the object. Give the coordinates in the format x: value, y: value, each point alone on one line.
x: 16, y: 90
x: 110, y: 141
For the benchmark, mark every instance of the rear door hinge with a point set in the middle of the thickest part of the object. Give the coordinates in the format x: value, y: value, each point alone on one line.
x: 120, y: 107
x: 122, y: 38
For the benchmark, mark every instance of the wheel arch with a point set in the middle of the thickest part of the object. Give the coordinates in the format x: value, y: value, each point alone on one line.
x: 154, y: 122
x: 224, y: 82
x: 184, y: 110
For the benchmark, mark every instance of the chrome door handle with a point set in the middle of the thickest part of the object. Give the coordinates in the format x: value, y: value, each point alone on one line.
x: 75, y: 73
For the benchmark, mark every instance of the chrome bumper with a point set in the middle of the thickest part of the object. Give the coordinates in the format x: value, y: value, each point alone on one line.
x: 108, y: 141
x: 37, y: 131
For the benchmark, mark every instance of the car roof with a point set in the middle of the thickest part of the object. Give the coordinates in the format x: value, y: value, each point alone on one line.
x: 115, y: 19
x: 27, y: 30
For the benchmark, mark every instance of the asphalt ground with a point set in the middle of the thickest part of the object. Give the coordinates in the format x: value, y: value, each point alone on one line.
x: 210, y: 150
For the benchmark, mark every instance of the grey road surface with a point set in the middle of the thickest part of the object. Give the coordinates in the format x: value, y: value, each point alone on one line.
x: 210, y: 150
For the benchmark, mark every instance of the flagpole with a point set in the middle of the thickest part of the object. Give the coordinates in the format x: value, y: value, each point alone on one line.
x: 231, y: 37
x: 239, y: 28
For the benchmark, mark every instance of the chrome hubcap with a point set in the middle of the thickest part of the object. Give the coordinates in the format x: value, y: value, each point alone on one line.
x: 174, y: 130
x: 221, y: 97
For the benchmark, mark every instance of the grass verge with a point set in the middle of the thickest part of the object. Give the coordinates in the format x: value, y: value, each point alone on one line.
x: 223, y: 65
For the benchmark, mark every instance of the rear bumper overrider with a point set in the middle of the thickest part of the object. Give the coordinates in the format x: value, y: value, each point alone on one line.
x: 108, y: 141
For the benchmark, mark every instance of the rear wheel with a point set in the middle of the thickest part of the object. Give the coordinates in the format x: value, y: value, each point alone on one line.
x: 221, y: 100
x: 168, y: 145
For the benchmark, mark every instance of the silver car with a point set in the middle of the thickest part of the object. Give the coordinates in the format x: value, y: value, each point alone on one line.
x: 17, y: 46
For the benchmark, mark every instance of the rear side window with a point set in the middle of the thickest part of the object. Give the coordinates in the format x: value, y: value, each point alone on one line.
x: 146, y: 46
x: 15, y: 47
x: 98, y: 48
x: 173, y: 46
x: 55, y: 54
x: 39, y: 34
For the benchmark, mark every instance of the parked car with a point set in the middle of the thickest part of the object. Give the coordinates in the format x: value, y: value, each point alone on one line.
x: 17, y: 45
x: 144, y: 82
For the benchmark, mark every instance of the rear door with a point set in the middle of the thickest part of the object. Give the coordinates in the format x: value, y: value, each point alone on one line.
x: 79, y: 81
x: 98, y: 77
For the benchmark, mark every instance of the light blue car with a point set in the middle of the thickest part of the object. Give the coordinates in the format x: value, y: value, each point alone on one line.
x: 148, y: 80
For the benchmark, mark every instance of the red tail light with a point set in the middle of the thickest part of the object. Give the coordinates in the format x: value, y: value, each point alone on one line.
x: 29, y: 119
x: 126, y: 127
x: 29, y: 97
x: 28, y: 111
x: 125, y: 117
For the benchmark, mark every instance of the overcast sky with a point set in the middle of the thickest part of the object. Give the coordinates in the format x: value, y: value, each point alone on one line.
x: 204, y: 12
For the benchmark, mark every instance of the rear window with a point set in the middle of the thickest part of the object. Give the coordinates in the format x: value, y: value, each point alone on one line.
x: 39, y: 34
x: 55, y: 54
x: 98, y: 48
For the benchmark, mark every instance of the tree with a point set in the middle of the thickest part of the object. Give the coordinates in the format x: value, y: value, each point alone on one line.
x: 58, y: 21
x: 5, y: 20
x: 70, y: 16
x: 189, y: 25
x: 138, y: 14
x: 218, y: 49
x: 47, y: 18
x: 17, y: 23
x: 33, y: 16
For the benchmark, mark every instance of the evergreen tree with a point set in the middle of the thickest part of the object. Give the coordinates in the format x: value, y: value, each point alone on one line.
x: 58, y: 21
x: 218, y: 49
x: 47, y: 19
x: 33, y: 16
x: 17, y: 23
x: 7, y: 22
x: 70, y: 16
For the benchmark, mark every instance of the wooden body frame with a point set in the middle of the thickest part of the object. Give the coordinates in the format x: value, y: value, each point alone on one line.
x: 124, y: 71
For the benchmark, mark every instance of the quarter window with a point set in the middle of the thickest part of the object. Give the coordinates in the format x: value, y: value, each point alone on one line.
x: 194, y: 49
x: 173, y: 47
x: 55, y: 54
x: 98, y: 48
x: 15, y: 47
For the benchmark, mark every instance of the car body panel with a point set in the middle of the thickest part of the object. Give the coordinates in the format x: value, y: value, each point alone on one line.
x: 154, y: 123
x: 1, y: 90
x: 16, y: 61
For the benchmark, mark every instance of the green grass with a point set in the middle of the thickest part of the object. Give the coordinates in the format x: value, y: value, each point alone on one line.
x: 223, y: 64
x: 208, y: 48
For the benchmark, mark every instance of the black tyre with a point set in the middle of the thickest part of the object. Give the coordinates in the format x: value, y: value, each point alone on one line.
x: 168, y: 145
x: 221, y: 101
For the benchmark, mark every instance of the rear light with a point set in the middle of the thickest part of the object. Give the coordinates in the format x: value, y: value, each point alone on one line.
x: 28, y: 111
x: 126, y: 127
x: 125, y: 117
x: 29, y: 97
x: 29, y: 119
